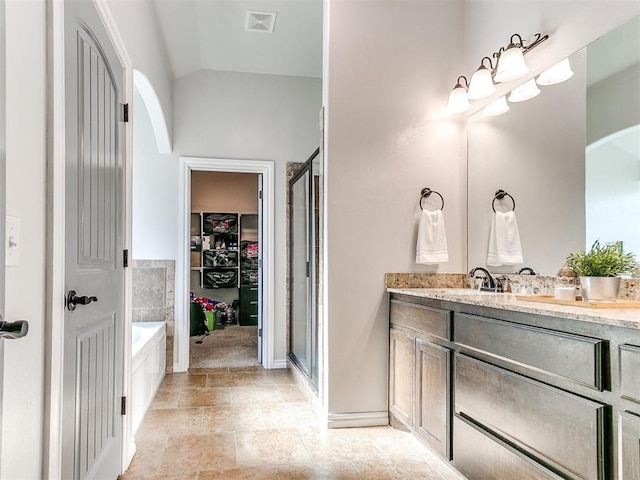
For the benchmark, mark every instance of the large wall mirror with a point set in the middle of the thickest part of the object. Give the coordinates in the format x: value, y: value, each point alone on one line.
x: 569, y: 157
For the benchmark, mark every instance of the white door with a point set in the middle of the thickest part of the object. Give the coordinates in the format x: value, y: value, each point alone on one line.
x: 2, y: 189
x: 260, y: 250
x: 93, y: 361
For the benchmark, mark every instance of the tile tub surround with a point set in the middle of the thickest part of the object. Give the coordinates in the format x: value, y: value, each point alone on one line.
x: 153, y: 296
x: 507, y: 301
x: 251, y: 423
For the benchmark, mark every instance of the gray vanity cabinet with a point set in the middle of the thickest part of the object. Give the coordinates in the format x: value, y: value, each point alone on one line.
x: 401, y: 375
x: 419, y: 376
x: 509, y: 395
x: 629, y: 460
x: 432, y: 412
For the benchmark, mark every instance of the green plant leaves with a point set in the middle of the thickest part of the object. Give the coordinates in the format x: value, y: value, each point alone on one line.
x: 608, y: 260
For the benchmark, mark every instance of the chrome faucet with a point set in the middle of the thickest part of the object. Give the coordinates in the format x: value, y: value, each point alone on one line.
x: 485, y: 282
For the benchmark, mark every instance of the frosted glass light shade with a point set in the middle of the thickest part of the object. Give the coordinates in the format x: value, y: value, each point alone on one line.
x: 560, y: 72
x: 511, y: 65
x: 458, y: 101
x: 498, y: 107
x: 526, y: 91
x: 481, y: 85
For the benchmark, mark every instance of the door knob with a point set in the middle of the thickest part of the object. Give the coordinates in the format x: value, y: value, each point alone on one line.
x: 73, y: 300
x: 11, y: 330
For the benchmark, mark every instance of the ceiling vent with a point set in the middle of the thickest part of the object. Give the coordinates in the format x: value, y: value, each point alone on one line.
x: 260, y: 21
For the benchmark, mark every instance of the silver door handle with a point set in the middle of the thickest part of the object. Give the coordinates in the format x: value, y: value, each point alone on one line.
x: 12, y: 330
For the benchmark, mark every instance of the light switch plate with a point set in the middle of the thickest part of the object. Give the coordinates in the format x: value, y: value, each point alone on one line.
x: 12, y: 242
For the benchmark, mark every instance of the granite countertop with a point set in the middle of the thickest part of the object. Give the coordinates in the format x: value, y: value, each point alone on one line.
x: 624, y: 317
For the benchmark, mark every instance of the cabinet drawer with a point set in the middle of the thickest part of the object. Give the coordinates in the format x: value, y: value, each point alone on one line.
x: 569, y: 356
x: 629, y: 368
x: 478, y: 456
x: 562, y: 429
x: 433, y: 321
x: 629, y: 453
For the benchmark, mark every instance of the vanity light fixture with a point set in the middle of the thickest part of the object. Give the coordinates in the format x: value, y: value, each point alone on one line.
x: 511, y: 64
x: 560, y: 72
x: 495, y: 108
x: 481, y: 85
x: 526, y: 91
x: 458, y: 101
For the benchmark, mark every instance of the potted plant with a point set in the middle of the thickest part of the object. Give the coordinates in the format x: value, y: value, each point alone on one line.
x: 599, y: 269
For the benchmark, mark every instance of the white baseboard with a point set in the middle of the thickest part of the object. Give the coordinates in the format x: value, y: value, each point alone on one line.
x: 363, y: 419
x: 281, y: 363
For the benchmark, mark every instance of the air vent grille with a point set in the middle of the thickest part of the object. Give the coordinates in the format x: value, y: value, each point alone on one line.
x: 262, y: 22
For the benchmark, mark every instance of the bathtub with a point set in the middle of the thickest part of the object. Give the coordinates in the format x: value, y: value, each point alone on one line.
x: 148, y: 362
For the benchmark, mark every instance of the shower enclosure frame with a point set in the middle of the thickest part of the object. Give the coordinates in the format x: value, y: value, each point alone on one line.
x: 307, y: 366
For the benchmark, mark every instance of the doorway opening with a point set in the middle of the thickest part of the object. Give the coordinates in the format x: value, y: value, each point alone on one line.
x: 215, y: 271
x: 224, y: 275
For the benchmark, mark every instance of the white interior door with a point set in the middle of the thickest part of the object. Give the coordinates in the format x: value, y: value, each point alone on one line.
x: 260, y: 262
x: 93, y: 359
x: 2, y: 189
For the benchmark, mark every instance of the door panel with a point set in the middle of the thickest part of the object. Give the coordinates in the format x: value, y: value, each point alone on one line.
x: 260, y: 269
x: 93, y: 361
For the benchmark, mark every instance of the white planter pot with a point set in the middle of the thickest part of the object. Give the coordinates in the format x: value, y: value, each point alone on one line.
x: 600, y: 288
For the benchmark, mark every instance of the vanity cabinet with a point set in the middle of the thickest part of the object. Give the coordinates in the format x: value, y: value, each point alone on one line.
x: 420, y: 365
x: 511, y: 395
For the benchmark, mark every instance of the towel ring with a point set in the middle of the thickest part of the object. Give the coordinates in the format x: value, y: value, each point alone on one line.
x: 425, y: 192
x: 500, y: 194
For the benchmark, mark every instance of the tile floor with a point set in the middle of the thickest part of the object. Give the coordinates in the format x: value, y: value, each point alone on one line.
x: 250, y: 423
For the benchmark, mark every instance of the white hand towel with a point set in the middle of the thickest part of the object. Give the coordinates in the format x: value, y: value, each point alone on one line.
x: 504, y: 240
x: 432, y: 239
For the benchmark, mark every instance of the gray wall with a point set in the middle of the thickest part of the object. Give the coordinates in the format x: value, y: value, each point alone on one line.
x: 247, y: 116
x: 390, y: 68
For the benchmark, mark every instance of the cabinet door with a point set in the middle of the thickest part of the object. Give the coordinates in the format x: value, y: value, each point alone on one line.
x: 401, y: 371
x: 432, y: 396
x: 629, y: 450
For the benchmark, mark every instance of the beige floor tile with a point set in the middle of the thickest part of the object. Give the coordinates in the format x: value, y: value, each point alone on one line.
x: 235, y: 379
x: 395, y: 469
x: 251, y: 368
x: 327, y: 445
x: 289, y: 415
x: 177, y: 476
x: 270, y: 447
x: 162, y: 423
x: 149, y: 454
x: 240, y: 473
x: 319, y: 471
x: 273, y: 377
x: 255, y: 395
x: 165, y: 399
x: 196, y: 452
x: 292, y: 393
x: 232, y: 418
x: 396, y: 444
x: 179, y: 381
x: 204, y: 397
x: 209, y: 370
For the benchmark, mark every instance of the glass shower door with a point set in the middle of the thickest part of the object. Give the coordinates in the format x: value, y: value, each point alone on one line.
x: 302, y: 264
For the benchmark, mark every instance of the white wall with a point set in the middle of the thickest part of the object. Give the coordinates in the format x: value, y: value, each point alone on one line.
x: 22, y: 392
x: 570, y: 24
x: 390, y: 68
x: 155, y: 192
x: 138, y: 27
x: 258, y: 117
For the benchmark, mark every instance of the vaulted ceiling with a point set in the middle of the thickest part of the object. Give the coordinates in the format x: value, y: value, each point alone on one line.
x: 211, y: 35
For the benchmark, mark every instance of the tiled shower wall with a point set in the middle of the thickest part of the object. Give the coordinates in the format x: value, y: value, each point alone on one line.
x: 153, y: 296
